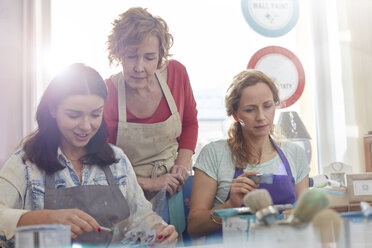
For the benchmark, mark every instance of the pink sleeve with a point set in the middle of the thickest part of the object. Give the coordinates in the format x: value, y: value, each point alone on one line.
x: 187, y: 110
x: 110, y: 112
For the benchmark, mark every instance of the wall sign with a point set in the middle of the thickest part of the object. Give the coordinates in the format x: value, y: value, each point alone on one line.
x: 285, y: 68
x: 271, y: 18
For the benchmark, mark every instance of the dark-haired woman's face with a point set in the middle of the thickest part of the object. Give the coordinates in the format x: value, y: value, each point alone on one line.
x: 78, y: 119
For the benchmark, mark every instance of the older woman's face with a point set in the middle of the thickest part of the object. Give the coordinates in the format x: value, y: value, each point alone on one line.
x: 256, y: 110
x: 140, y: 62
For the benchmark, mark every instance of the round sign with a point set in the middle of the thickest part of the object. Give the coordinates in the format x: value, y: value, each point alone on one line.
x: 271, y: 18
x: 285, y: 68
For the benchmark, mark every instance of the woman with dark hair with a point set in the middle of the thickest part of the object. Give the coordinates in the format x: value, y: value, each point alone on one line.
x: 66, y: 172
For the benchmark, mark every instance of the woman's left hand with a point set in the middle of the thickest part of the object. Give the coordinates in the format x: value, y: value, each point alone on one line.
x: 166, y: 234
x: 180, y: 173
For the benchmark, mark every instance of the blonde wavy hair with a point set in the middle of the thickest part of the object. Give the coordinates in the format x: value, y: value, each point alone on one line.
x: 131, y: 28
x: 242, y: 151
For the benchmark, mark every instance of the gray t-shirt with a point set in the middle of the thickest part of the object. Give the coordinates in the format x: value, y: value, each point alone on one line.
x: 215, y: 160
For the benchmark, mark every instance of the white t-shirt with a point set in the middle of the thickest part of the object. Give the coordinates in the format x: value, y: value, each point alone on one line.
x: 215, y: 160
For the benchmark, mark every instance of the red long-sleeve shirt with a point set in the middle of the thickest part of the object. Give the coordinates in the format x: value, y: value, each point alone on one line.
x: 179, y: 85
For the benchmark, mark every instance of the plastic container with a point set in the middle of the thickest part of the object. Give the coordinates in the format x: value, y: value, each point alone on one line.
x: 281, y: 236
x: 235, y: 224
x: 43, y: 236
x: 358, y: 230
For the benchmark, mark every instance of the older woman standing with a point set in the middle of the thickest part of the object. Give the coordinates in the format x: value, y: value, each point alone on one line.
x: 150, y: 111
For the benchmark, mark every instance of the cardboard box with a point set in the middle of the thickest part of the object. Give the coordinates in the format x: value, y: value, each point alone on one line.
x: 337, y: 196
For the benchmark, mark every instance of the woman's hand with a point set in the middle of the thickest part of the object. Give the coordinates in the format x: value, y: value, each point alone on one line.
x: 78, y: 220
x: 240, y: 186
x: 168, y: 181
x: 181, y: 174
x: 166, y: 234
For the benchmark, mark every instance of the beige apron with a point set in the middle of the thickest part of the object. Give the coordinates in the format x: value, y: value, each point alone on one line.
x: 151, y: 148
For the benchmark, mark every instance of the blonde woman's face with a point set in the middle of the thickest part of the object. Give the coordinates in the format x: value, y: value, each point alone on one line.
x: 256, y: 110
x: 140, y: 62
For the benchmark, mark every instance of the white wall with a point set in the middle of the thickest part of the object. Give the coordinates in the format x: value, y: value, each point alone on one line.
x: 10, y: 76
x: 210, y: 61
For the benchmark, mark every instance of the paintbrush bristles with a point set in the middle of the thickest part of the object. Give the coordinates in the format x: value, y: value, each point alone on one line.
x: 327, y: 224
x: 257, y: 200
x: 310, y: 202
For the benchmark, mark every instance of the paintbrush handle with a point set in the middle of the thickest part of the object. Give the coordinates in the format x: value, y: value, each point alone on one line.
x: 106, y: 229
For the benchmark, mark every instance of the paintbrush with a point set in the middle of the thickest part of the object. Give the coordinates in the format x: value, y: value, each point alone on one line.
x: 231, y: 211
x: 262, y: 178
x: 327, y: 224
x: 106, y: 229
x: 261, y: 204
x: 310, y: 202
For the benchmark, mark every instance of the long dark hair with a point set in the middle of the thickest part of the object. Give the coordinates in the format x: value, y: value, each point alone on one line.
x: 41, y: 146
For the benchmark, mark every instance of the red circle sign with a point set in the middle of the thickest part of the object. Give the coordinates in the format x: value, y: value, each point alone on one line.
x: 286, y: 70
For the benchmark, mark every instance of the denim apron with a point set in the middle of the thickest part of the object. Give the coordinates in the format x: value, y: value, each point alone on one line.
x: 282, y: 190
x: 105, y: 203
x: 152, y: 149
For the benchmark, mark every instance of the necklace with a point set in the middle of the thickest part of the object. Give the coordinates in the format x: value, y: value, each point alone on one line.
x: 72, y: 154
x: 72, y: 160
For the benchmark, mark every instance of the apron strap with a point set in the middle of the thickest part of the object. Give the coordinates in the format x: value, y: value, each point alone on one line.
x: 282, y: 157
x: 167, y: 93
x: 122, y: 105
x: 109, y: 175
x: 49, y: 181
x: 111, y: 181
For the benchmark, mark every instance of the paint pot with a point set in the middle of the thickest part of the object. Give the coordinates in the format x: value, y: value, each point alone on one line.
x: 42, y: 236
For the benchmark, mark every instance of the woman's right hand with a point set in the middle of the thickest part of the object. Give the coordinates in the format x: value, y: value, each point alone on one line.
x: 241, y: 186
x: 78, y: 220
x: 167, y: 181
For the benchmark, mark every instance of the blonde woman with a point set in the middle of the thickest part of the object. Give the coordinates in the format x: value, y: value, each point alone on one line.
x: 222, y: 168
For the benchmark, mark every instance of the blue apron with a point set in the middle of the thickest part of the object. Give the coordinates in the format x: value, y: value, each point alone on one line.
x: 282, y: 191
